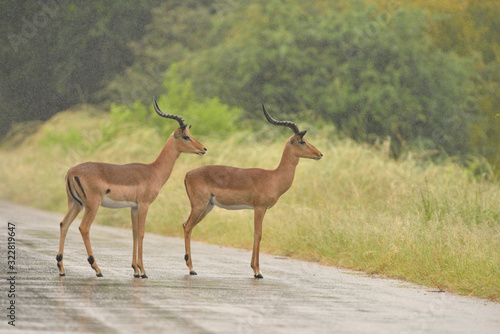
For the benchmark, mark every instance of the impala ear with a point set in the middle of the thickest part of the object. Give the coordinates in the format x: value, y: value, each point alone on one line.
x: 302, y: 133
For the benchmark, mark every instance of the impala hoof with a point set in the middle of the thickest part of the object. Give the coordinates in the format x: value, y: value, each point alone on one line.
x: 192, y: 272
x: 144, y: 276
x: 63, y: 274
x: 258, y: 276
x: 137, y: 276
x: 99, y: 275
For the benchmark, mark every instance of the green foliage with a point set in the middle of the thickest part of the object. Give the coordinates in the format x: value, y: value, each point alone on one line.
x: 371, y: 74
x: 470, y: 29
x: 67, y: 131
x: 55, y: 54
x: 179, y: 28
x: 423, y: 73
x: 374, y: 71
x: 208, y: 116
x: 68, y: 139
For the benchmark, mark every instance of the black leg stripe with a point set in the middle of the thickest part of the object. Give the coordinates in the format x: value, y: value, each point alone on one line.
x: 71, y: 192
x: 80, y: 185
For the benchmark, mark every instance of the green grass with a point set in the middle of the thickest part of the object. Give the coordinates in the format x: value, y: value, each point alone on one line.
x: 428, y: 223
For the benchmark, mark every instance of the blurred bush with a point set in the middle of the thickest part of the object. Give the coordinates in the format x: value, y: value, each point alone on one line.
x: 207, y: 116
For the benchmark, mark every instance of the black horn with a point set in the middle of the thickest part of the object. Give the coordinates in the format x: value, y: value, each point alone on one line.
x: 288, y: 124
x: 178, y: 118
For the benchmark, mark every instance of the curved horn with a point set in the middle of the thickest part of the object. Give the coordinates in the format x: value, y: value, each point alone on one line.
x: 178, y: 118
x: 288, y: 124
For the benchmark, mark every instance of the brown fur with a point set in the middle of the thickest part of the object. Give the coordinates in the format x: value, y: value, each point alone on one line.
x: 254, y: 188
x: 133, y: 185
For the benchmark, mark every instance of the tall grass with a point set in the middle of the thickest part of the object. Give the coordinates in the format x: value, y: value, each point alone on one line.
x: 427, y: 223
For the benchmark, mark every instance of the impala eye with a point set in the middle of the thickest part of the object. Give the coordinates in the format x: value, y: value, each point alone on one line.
x: 186, y: 137
x: 302, y: 142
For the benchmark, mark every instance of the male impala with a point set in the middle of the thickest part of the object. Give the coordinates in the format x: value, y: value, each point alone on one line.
x: 93, y: 184
x: 235, y: 188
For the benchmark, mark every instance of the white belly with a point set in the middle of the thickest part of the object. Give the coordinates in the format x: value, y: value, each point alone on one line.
x: 109, y: 203
x: 230, y: 207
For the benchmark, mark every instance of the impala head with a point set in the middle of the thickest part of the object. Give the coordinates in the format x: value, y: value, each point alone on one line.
x: 301, y: 147
x: 183, y: 139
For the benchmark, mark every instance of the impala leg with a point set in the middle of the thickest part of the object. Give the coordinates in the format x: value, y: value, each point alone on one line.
x: 143, y: 211
x: 257, y: 236
x: 73, y: 211
x: 88, y: 218
x: 197, y: 215
x: 135, y: 235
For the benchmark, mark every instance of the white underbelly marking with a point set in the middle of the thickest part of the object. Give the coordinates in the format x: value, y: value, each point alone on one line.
x: 109, y: 203
x: 230, y: 207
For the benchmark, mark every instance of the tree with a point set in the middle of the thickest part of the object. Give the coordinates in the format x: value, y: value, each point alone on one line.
x: 178, y: 28
x: 55, y: 54
x: 372, y: 73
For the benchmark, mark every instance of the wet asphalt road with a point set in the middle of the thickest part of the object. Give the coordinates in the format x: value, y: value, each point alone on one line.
x: 294, y: 296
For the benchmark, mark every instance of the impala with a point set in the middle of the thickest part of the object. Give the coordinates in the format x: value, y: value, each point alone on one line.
x: 235, y: 188
x: 136, y: 185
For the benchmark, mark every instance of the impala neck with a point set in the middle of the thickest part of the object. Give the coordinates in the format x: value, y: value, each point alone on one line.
x: 164, y: 164
x: 286, y: 169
